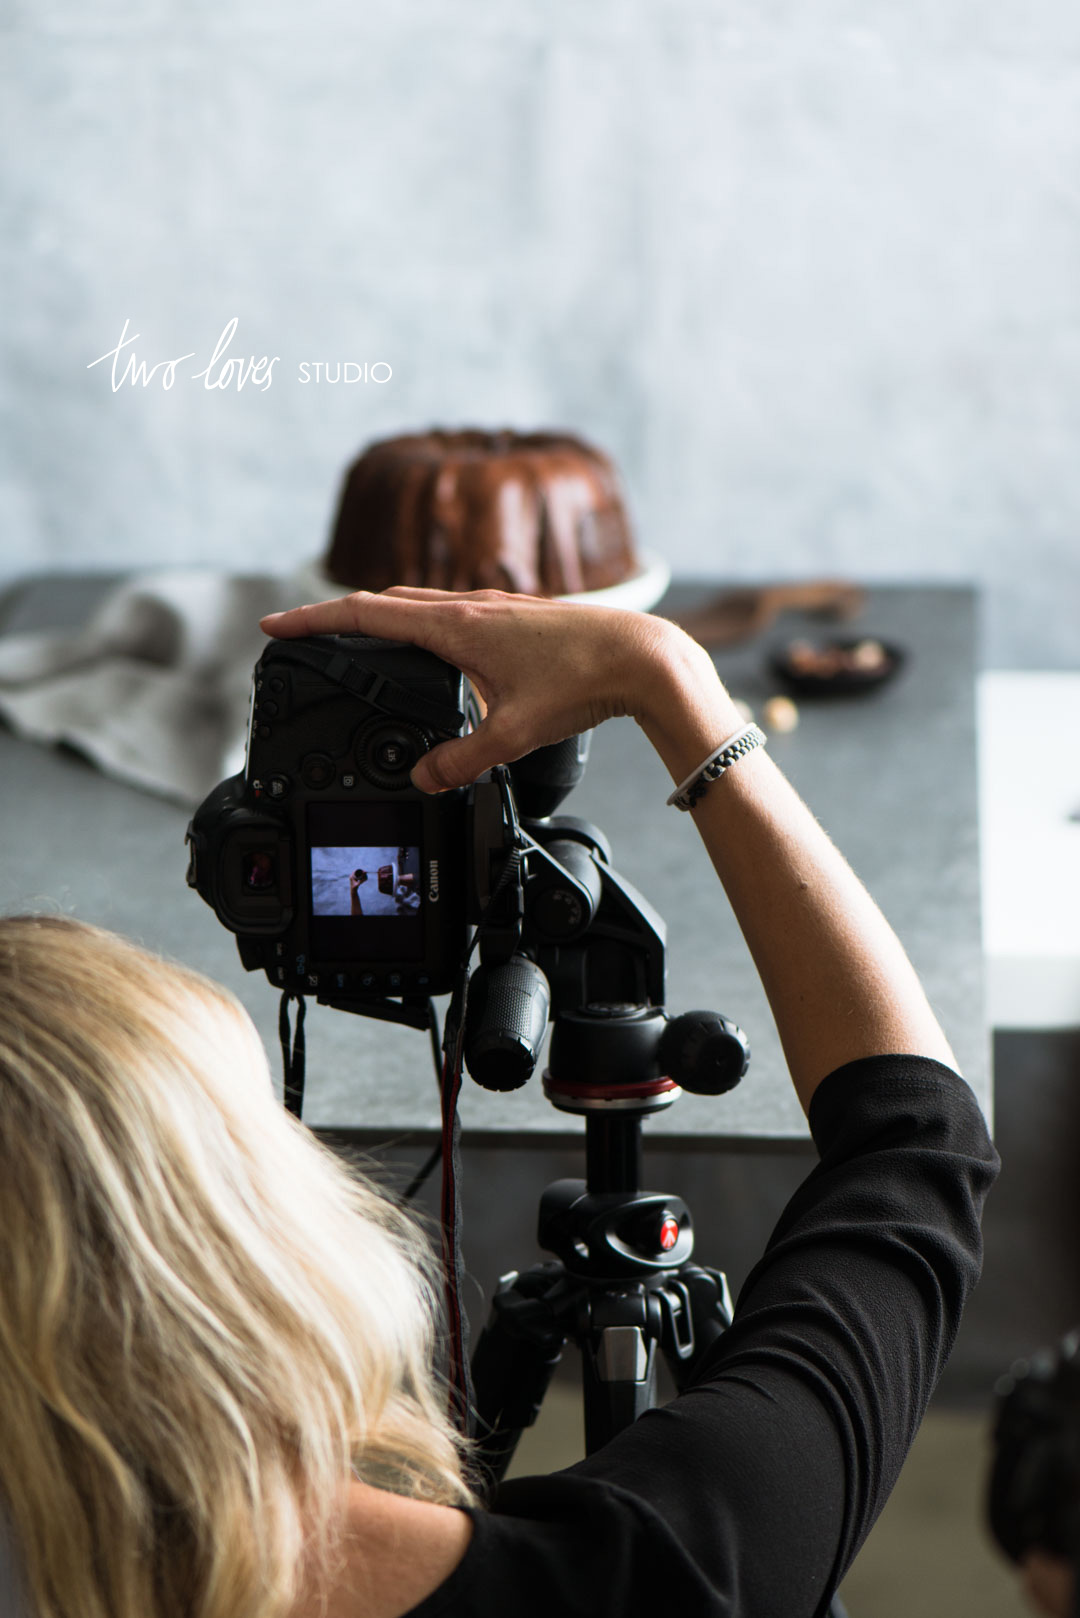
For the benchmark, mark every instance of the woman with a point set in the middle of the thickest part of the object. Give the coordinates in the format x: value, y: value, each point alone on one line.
x: 213, y: 1349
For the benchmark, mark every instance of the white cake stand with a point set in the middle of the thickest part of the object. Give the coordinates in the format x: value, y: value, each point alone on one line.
x: 311, y: 583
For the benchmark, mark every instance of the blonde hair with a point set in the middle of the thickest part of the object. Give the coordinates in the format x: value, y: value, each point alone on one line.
x: 206, y: 1324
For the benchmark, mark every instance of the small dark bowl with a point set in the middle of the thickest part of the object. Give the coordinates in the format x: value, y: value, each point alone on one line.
x: 844, y: 682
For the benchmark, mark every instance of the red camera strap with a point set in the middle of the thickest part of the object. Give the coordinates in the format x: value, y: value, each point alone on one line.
x: 458, y: 1377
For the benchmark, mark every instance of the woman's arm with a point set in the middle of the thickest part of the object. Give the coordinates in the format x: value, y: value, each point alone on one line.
x: 837, y: 978
x: 838, y: 981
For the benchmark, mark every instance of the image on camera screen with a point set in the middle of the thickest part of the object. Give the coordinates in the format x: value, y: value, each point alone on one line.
x: 365, y: 881
x: 365, y: 865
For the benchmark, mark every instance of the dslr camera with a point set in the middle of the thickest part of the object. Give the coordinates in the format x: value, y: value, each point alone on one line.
x: 339, y: 878
x: 342, y: 881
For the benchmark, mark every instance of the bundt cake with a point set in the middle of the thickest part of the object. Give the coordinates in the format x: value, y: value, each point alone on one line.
x: 537, y: 513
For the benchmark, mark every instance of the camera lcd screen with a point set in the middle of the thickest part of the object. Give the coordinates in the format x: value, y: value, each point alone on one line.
x: 366, y: 901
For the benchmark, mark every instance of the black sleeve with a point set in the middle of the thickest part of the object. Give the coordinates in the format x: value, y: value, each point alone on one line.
x: 769, y: 1472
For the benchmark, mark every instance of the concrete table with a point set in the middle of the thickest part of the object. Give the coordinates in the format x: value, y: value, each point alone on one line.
x: 892, y: 776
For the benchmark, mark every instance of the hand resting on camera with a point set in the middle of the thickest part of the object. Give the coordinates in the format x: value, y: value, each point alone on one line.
x: 543, y: 669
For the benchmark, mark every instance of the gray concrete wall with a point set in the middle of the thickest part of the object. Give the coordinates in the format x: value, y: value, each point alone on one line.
x: 812, y: 274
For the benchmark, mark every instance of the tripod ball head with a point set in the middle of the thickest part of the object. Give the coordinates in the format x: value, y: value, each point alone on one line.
x: 607, y: 1056
x: 704, y: 1052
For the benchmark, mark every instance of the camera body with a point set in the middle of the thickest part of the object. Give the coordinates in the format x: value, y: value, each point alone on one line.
x: 339, y: 878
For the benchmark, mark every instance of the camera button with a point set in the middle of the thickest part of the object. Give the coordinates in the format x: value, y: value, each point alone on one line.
x: 391, y: 754
x: 277, y: 786
x: 317, y: 770
x: 394, y: 981
x: 369, y: 980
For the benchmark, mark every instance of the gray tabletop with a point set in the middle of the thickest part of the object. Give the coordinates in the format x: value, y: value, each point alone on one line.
x: 891, y: 775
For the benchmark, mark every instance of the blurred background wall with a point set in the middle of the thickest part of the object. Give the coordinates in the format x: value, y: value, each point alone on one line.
x: 809, y: 273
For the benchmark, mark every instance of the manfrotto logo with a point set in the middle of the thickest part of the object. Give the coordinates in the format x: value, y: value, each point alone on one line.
x: 433, y: 882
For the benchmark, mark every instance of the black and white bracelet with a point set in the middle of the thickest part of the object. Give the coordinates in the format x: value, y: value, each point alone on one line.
x: 728, y: 753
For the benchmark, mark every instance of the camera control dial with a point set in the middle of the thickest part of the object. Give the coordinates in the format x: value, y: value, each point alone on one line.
x: 386, y: 750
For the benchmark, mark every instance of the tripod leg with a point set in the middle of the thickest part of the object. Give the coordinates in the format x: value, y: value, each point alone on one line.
x: 695, y: 1308
x: 618, y: 1362
x: 516, y: 1355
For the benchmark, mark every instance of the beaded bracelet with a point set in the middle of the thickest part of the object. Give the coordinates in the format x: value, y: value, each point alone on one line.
x: 728, y: 753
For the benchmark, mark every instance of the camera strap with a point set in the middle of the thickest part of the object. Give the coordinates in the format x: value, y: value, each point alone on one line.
x: 460, y: 1380
x: 293, y: 1052
x: 371, y: 686
x: 293, y: 1056
x: 462, y: 1404
x: 458, y: 1375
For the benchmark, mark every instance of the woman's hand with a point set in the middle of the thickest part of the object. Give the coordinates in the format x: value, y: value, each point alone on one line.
x: 543, y: 669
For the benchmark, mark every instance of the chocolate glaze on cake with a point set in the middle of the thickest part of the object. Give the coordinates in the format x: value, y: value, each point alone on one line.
x: 535, y: 513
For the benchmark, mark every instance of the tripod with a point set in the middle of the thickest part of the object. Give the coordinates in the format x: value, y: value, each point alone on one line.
x: 622, y: 1285
x: 571, y: 936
